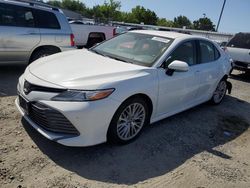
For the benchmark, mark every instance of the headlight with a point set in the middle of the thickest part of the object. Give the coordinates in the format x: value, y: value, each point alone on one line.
x: 78, y: 96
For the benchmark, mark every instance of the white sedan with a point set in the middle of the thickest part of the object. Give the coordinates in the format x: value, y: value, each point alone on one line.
x: 110, y: 92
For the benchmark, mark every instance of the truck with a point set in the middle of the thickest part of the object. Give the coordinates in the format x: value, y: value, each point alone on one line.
x: 87, y: 35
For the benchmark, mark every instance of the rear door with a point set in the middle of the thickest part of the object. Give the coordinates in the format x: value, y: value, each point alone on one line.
x: 208, y: 69
x: 50, y: 28
x: 18, y: 34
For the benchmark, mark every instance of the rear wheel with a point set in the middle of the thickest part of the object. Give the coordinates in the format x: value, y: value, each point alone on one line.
x: 128, y: 121
x: 219, y: 92
x: 93, y: 41
x: 42, y: 53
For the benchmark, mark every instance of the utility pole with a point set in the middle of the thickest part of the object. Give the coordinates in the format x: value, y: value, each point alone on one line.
x: 221, y: 15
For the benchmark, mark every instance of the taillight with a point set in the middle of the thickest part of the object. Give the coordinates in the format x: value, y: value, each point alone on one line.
x: 72, y: 40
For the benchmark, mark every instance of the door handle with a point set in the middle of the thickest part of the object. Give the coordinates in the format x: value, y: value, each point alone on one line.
x: 197, y: 71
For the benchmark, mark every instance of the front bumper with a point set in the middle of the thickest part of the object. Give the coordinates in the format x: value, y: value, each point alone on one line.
x: 91, y: 119
x: 241, y: 66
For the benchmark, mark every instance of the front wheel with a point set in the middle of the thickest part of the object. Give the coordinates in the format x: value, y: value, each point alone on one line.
x: 219, y: 92
x: 128, y: 121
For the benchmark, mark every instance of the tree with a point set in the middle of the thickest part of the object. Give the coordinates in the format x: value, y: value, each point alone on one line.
x: 108, y: 11
x: 182, y: 21
x: 165, y: 22
x: 73, y: 5
x: 204, y: 24
x: 140, y: 14
x: 55, y: 3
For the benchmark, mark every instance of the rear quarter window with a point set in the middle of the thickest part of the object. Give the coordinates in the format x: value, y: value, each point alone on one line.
x: 46, y: 20
x: 17, y: 16
x: 208, y: 52
x: 216, y: 53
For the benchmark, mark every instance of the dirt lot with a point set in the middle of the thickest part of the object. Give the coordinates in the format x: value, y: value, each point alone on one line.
x: 207, y: 146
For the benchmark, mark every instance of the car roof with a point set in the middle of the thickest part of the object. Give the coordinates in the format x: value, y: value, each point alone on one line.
x: 167, y: 34
x: 34, y: 5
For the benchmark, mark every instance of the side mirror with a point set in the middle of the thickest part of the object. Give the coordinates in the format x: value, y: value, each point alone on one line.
x: 176, y: 65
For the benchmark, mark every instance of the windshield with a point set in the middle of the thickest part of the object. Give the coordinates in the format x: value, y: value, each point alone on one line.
x: 136, y: 48
x: 240, y: 40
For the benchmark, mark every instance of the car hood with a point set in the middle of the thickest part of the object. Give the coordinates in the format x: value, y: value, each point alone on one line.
x: 82, y: 69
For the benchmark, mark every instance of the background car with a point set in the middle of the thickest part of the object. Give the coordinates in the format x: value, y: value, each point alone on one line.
x: 113, y: 90
x: 32, y: 30
x: 123, y: 29
x: 87, y: 35
x: 239, y: 50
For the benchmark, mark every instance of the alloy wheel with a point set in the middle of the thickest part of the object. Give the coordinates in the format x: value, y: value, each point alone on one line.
x: 131, y: 121
x: 220, y: 91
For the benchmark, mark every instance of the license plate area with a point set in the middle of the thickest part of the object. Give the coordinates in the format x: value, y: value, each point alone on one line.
x: 24, y: 104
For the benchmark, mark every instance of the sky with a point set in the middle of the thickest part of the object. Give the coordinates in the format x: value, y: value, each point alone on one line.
x: 235, y: 17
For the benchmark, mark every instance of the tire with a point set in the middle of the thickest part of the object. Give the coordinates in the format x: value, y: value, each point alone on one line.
x: 42, y: 53
x: 219, y: 92
x: 93, y: 41
x: 123, y: 127
x: 80, y: 47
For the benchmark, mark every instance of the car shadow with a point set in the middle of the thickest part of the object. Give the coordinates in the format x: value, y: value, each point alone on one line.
x: 161, y: 148
x: 241, y: 76
x: 9, y: 78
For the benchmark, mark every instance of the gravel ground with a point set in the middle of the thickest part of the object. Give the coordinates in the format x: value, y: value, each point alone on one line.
x: 206, y: 146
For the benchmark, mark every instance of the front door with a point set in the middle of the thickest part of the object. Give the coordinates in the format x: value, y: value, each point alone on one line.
x: 178, y: 91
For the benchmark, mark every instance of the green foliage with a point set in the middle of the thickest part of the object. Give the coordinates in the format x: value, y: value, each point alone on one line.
x: 110, y: 11
x: 55, y: 3
x: 140, y: 14
x: 165, y: 22
x: 204, y: 24
x: 76, y: 6
x: 73, y: 5
x: 182, y: 21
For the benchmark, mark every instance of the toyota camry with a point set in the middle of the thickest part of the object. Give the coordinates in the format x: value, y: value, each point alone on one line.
x: 113, y: 90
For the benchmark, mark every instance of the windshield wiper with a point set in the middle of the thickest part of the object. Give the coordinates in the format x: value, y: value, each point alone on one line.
x: 99, y: 53
x: 119, y: 59
x: 112, y: 57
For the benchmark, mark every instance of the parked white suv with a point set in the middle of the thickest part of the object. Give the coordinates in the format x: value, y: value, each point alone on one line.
x: 239, y: 50
x: 30, y: 30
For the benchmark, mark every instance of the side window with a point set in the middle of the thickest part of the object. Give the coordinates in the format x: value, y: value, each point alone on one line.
x: 185, y: 52
x: 216, y: 53
x: 47, y: 20
x: 207, y: 52
x: 12, y: 15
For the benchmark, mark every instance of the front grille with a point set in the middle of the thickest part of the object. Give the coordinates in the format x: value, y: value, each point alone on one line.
x: 241, y: 64
x: 50, y: 119
x: 29, y: 87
